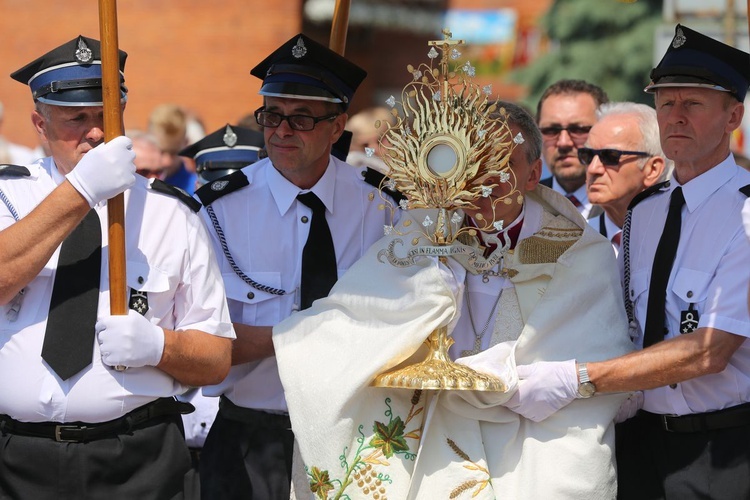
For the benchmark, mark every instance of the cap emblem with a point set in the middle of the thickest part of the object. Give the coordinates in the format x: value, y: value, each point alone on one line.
x: 83, y: 52
x: 230, y: 138
x: 219, y: 185
x: 299, y: 50
x: 679, y: 39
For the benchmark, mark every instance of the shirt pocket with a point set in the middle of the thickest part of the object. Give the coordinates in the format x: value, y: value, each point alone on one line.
x: 151, y: 285
x: 250, y: 306
x: 691, y: 287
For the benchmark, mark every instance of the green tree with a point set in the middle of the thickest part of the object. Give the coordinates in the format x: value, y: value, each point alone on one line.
x: 606, y: 42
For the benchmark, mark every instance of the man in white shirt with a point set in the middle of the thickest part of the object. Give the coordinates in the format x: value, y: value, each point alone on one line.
x: 88, y: 406
x: 686, y: 279
x: 288, y: 226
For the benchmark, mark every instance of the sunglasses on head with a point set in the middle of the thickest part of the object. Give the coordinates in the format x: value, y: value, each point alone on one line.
x: 608, y: 157
x: 574, y: 131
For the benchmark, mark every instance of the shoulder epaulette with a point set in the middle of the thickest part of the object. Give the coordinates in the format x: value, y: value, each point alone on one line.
x: 162, y: 187
x: 646, y: 193
x: 212, y: 191
x: 745, y: 190
x: 7, y: 170
x: 375, y: 178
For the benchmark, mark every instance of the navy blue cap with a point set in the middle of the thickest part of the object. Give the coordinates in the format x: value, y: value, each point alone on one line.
x: 304, y: 69
x: 696, y: 60
x: 70, y: 75
x: 224, y: 151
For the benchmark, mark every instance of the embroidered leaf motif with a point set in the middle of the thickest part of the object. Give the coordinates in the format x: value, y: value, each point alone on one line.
x: 369, y: 467
x: 320, y: 483
x: 389, y: 437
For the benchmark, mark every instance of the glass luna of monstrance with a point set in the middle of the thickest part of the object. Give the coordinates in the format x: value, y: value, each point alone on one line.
x: 449, y: 147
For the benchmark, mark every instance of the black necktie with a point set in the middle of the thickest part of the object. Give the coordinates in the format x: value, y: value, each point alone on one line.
x: 69, y: 340
x: 663, y: 261
x: 318, y: 257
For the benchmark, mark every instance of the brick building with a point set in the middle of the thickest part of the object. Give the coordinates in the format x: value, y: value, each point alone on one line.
x: 199, y: 54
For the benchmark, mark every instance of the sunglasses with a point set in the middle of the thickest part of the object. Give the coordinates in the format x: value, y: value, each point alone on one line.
x: 574, y: 131
x: 608, y: 157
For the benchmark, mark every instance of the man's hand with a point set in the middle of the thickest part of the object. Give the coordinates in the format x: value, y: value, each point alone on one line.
x: 130, y: 341
x: 543, y: 388
x: 105, y: 171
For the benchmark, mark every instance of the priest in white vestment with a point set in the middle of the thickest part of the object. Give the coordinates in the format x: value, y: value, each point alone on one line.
x: 554, y: 296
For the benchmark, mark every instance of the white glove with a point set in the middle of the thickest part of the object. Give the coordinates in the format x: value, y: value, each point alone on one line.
x: 497, y: 361
x: 105, y: 171
x: 544, y: 387
x: 130, y: 341
x: 629, y: 407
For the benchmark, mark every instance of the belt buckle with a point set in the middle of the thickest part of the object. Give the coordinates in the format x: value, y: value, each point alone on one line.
x: 60, y: 428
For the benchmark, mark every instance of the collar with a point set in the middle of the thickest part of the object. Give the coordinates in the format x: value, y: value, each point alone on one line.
x: 697, y: 190
x: 285, y: 193
x: 512, y: 231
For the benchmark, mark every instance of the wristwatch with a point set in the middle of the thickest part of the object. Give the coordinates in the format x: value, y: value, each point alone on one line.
x: 586, y: 387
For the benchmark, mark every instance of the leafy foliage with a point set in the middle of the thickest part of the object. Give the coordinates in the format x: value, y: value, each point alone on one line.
x: 606, y: 42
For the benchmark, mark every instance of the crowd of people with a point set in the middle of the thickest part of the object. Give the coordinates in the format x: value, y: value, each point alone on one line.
x: 259, y: 307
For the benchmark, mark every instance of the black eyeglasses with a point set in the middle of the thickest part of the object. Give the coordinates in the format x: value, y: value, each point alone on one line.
x: 302, y: 123
x: 575, y: 131
x: 608, y: 157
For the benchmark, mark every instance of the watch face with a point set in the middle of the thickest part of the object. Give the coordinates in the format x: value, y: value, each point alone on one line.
x: 586, y: 389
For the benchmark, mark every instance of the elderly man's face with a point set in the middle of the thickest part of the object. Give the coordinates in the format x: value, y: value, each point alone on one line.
x: 609, y: 184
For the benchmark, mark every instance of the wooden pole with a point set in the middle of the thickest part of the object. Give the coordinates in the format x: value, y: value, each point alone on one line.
x: 113, y: 127
x: 340, y: 25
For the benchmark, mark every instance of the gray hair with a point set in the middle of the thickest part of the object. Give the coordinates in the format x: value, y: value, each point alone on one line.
x: 43, y: 109
x: 518, y: 117
x: 648, y: 126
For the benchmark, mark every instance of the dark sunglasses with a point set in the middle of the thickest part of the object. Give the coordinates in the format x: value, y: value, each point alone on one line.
x: 608, y: 157
x: 574, y: 131
x: 296, y: 122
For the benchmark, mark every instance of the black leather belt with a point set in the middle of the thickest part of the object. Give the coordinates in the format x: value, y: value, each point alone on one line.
x: 736, y: 416
x: 81, y: 432
x: 256, y: 417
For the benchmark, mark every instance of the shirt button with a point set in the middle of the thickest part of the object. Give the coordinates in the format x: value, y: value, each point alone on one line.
x: 250, y: 295
x: 304, y: 219
x: 140, y: 279
x: 632, y: 293
x: 690, y: 293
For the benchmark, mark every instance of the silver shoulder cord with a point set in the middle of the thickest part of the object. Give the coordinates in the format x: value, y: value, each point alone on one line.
x: 230, y: 259
x: 14, y: 306
x: 626, y: 273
